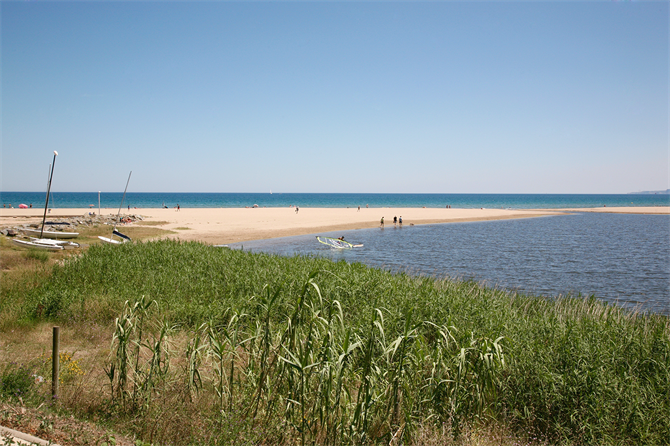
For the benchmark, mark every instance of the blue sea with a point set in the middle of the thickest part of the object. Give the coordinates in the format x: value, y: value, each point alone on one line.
x: 620, y: 258
x: 227, y: 200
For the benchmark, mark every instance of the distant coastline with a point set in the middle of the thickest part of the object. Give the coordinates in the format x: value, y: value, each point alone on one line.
x: 651, y: 192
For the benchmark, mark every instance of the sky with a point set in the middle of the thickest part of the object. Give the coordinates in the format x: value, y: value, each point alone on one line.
x: 369, y: 97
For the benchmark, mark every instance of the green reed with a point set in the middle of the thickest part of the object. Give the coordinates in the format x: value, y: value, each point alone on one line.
x: 307, y: 350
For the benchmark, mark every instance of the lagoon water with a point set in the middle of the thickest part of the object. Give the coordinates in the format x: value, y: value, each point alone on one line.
x: 616, y: 257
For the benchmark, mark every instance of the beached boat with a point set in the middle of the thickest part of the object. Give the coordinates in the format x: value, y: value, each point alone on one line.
x: 46, y: 239
x: 51, y: 234
x: 122, y: 237
x: 64, y: 243
x: 31, y: 244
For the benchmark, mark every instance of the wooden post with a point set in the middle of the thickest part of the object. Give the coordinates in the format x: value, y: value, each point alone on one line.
x: 55, y: 360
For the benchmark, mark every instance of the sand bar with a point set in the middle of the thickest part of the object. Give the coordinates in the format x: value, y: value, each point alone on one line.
x: 230, y: 225
x: 649, y: 210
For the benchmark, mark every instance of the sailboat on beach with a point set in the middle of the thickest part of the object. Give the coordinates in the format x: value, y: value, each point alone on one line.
x: 47, y: 239
x: 122, y: 237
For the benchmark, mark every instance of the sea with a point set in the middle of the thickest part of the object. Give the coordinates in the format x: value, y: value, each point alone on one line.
x: 227, y: 200
x: 623, y: 259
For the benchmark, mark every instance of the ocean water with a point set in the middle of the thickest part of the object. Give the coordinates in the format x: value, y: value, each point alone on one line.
x: 215, y: 200
x: 619, y: 258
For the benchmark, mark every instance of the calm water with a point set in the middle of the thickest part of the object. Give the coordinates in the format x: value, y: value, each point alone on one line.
x: 215, y: 200
x: 619, y: 258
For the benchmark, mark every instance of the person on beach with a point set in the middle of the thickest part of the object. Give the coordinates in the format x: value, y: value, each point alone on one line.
x: 381, y: 223
x: 359, y: 208
x: 400, y: 220
x: 297, y: 209
x: 395, y: 220
x: 178, y: 208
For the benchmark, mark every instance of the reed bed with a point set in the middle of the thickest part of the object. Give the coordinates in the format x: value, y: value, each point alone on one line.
x: 308, y: 351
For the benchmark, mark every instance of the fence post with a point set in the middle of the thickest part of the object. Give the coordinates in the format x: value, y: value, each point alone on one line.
x: 55, y: 361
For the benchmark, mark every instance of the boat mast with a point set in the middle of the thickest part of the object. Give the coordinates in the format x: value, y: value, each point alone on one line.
x: 123, y: 198
x: 46, y: 205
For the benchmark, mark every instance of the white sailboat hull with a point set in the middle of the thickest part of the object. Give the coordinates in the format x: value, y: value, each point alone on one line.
x: 111, y: 241
x: 51, y: 234
x: 35, y: 244
x: 63, y: 243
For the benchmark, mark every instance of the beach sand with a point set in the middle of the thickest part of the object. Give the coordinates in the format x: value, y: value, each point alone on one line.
x: 230, y: 225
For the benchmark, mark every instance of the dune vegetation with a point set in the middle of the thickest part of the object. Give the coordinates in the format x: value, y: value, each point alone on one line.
x: 207, y: 345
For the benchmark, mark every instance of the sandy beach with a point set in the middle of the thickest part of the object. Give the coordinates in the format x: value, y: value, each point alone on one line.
x: 230, y: 225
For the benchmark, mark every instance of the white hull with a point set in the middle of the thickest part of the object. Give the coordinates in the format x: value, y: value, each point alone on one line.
x: 338, y: 243
x: 63, y: 243
x: 51, y: 234
x: 37, y: 245
x: 110, y: 241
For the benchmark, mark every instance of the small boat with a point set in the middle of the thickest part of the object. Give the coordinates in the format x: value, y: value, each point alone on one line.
x: 338, y: 243
x: 46, y: 238
x: 123, y: 238
x: 32, y: 244
x: 63, y: 243
x: 51, y: 234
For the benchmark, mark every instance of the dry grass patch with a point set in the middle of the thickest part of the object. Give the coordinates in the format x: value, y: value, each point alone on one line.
x: 87, y: 343
x: 152, y: 223
x: 59, y: 429
x: 483, y: 435
x: 137, y: 232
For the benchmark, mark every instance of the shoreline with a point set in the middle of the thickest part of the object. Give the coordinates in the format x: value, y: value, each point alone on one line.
x: 233, y: 225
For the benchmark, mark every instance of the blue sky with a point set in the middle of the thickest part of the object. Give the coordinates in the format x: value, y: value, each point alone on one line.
x: 415, y: 97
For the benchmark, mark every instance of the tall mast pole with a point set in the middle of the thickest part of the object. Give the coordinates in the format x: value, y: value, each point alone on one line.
x: 124, y: 197
x: 46, y: 205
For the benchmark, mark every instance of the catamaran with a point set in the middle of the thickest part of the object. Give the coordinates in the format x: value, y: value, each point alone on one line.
x: 50, y: 234
x: 46, y: 238
x: 122, y: 237
x: 338, y: 243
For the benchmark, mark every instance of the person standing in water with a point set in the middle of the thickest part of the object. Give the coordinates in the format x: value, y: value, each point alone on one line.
x: 381, y: 223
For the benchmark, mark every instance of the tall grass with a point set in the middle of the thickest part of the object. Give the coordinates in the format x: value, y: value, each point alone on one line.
x: 311, y: 351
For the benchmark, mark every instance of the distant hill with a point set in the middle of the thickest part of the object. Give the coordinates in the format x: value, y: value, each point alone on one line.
x: 667, y: 191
